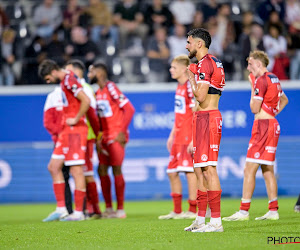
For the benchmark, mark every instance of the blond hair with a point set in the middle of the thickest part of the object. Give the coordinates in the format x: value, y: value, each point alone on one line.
x: 182, y: 59
x: 261, y: 56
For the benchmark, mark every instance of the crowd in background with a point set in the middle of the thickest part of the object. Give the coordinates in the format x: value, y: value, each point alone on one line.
x: 138, y: 39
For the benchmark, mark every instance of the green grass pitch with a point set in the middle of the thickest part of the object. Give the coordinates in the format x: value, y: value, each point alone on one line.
x: 21, y: 227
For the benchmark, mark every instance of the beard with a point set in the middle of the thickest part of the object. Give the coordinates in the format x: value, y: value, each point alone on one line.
x: 56, y: 81
x: 192, y: 54
x: 94, y: 80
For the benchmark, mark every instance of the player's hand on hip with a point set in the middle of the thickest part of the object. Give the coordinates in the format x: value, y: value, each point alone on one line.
x: 71, y: 121
x: 121, y: 138
x: 190, y: 148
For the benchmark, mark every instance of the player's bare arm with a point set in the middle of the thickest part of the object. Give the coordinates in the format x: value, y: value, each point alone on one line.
x: 282, y: 103
x: 170, y: 139
x: 84, y: 106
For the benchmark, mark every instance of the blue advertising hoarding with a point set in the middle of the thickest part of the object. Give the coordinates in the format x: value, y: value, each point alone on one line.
x: 25, y: 146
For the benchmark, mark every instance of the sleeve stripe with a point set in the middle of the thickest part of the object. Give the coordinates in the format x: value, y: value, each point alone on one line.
x: 258, y: 98
x: 206, y: 82
x: 123, y: 103
x: 77, y: 91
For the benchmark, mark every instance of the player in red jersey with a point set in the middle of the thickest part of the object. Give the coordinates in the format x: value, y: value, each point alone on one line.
x: 207, y: 79
x: 115, y: 112
x: 267, y: 101
x: 180, y: 137
x: 71, y: 144
x: 92, y: 197
x: 53, y: 115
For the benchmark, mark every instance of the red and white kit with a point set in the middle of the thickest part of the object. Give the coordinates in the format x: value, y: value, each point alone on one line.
x: 115, y: 112
x: 207, y: 125
x: 71, y: 143
x: 53, y: 113
x: 265, y: 132
x: 180, y: 159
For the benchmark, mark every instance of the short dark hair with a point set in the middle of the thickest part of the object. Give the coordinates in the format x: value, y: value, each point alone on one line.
x: 76, y: 64
x: 202, y: 34
x: 101, y: 65
x: 46, y: 67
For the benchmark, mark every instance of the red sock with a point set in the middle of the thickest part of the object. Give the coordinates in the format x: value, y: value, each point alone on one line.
x: 92, y: 195
x: 192, y: 206
x: 214, y: 201
x: 201, y: 203
x: 273, y: 205
x: 177, y: 198
x: 79, y: 197
x: 89, y: 206
x: 120, y: 190
x: 245, y: 205
x: 59, y: 192
x: 106, y: 190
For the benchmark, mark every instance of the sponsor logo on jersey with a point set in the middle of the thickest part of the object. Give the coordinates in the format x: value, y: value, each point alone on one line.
x: 202, y: 76
x: 180, y: 104
x: 270, y: 149
x: 74, y: 88
x: 214, y: 147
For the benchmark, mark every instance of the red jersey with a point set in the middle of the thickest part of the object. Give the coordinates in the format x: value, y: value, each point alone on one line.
x: 211, y: 71
x: 184, y: 102
x: 71, y: 86
x: 110, y: 102
x: 267, y: 88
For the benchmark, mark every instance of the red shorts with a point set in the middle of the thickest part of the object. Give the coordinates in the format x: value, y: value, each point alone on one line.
x: 180, y: 159
x: 112, y: 154
x: 71, y: 145
x: 263, y: 142
x: 207, y: 131
x: 88, y: 167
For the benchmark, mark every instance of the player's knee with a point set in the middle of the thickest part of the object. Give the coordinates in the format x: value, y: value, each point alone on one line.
x: 102, y: 170
x: 117, y: 170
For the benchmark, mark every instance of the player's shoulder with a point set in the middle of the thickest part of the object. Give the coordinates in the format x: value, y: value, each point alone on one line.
x: 272, y: 77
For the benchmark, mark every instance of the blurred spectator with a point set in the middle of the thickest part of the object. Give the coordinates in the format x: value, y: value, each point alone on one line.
x: 275, y: 19
x: 183, y: 12
x: 276, y: 47
x: 101, y: 19
x: 198, y: 21
x: 293, y: 15
x: 226, y: 34
x: 209, y: 9
x: 8, y: 59
x: 81, y: 47
x: 4, y: 21
x: 130, y: 20
x: 157, y: 15
x: 35, y: 53
x: 70, y: 17
x: 294, y: 54
x: 47, y: 17
x: 158, y: 53
x: 250, y: 42
x: 56, y: 49
x: 216, y: 47
x: 177, y: 42
x: 266, y: 7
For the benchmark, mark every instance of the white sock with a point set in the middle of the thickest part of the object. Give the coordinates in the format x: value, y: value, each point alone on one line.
x: 273, y: 212
x: 216, y: 221
x: 200, y: 220
x: 61, y: 209
x: 78, y: 213
x: 244, y: 212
